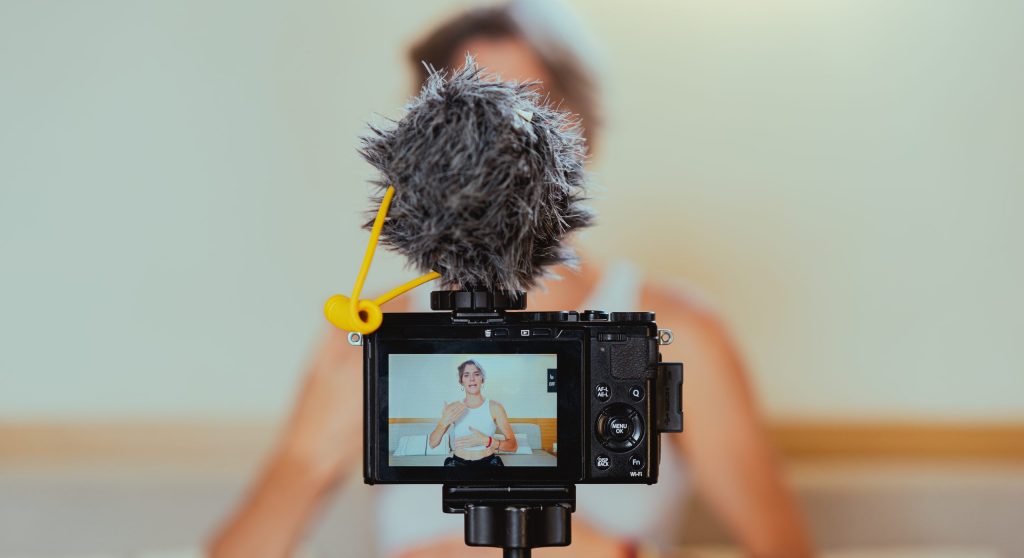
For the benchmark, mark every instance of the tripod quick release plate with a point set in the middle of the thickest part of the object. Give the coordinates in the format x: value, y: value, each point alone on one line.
x: 515, y: 518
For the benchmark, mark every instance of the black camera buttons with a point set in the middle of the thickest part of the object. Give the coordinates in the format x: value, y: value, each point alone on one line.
x: 602, y: 462
x: 594, y: 316
x: 636, y: 462
x: 602, y: 392
x: 619, y: 427
x: 636, y: 393
x: 541, y: 332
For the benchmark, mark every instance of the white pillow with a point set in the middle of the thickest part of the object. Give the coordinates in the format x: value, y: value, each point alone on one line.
x: 411, y: 445
x: 523, y: 443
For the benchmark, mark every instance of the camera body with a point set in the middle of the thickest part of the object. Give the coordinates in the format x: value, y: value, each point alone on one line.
x: 600, y: 375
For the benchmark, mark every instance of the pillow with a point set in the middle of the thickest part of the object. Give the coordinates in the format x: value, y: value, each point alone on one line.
x: 523, y: 441
x: 411, y: 445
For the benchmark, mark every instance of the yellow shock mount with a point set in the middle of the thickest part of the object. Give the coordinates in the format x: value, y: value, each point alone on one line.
x: 364, y: 316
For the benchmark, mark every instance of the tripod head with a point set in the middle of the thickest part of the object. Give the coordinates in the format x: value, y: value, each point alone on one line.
x: 514, y: 518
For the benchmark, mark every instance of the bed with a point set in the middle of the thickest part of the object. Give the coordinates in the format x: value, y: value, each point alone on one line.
x: 407, y: 447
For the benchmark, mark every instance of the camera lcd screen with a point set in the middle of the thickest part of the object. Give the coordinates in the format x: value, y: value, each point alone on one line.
x: 472, y: 410
x: 411, y: 382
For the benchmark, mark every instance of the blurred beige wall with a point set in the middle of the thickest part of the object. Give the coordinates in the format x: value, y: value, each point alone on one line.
x: 180, y: 191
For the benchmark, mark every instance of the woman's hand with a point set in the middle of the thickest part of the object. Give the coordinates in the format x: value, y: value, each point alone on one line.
x: 474, y: 438
x: 452, y: 412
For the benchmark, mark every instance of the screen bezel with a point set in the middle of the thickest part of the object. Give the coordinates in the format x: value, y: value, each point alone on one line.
x: 569, y: 414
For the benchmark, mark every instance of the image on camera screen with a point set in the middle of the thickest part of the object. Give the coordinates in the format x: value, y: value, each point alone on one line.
x: 472, y: 410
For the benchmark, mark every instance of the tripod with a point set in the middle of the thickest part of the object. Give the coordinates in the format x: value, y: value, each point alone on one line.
x: 514, y: 518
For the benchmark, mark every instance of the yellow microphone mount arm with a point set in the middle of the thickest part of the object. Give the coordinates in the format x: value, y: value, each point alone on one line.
x: 364, y: 316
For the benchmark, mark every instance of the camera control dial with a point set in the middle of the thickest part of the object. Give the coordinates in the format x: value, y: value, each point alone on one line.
x: 632, y: 316
x: 563, y: 316
x: 619, y: 427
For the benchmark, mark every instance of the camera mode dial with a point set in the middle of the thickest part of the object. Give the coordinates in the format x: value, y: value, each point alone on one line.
x: 619, y: 427
x: 594, y: 316
x: 632, y: 316
x: 563, y: 316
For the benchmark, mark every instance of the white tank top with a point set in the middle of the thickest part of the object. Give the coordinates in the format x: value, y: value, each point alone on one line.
x: 408, y: 515
x: 479, y: 418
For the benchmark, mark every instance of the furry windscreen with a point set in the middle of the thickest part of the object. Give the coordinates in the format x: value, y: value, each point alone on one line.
x: 488, y: 181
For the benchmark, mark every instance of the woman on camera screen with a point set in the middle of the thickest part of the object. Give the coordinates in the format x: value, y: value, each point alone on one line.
x: 473, y: 422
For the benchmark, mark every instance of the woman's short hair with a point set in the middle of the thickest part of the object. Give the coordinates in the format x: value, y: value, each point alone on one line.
x: 553, y: 33
x: 462, y: 368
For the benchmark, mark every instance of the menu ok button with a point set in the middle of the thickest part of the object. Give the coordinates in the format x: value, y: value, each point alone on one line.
x: 619, y: 427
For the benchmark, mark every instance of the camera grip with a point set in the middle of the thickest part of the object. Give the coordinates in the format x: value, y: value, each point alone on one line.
x: 670, y: 397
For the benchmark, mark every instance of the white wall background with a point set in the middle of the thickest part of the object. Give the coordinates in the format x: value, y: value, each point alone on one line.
x: 180, y: 191
x: 420, y: 385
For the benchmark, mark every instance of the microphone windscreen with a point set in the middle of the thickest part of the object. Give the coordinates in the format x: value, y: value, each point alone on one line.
x: 488, y: 180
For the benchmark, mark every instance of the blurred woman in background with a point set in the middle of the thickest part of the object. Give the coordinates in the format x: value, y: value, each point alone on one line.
x: 724, y: 453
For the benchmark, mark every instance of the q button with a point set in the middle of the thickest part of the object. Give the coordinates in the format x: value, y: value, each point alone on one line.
x: 636, y: 393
